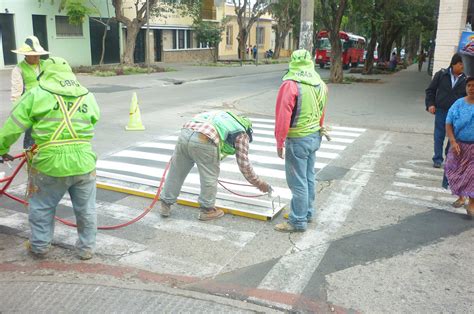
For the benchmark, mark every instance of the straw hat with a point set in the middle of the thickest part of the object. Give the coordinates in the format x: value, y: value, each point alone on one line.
x: 31, y: 47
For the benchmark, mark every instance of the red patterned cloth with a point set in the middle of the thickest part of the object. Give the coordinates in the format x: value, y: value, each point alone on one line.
x: 242, y: 156
x: 460, y: 170
x: 204, y: 128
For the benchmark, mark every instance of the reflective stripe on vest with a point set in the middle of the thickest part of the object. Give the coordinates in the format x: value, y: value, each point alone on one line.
x: 308, y: 110
x: 66, y: 123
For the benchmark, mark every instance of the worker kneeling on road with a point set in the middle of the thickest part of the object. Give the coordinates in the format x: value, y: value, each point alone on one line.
x: 62, y: 114
x: 205, y: 140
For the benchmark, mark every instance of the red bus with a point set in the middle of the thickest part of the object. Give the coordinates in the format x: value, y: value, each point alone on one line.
x: 353, y: 47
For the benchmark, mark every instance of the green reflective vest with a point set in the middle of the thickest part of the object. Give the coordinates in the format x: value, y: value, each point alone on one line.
x: 226, y: 126
x: 308, y: 109
x: 29, y: 75
x: 64, y: 147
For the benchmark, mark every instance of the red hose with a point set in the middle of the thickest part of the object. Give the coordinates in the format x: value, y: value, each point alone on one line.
x: 145, y: 212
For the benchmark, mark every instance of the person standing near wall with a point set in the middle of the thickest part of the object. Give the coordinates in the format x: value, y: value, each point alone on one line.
x: 25, y: 73
x: 421, y: 59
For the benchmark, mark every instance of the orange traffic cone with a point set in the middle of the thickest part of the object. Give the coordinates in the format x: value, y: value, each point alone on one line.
x: 135, y: 118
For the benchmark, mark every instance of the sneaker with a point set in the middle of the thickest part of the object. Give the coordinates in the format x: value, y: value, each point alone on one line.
x: 287, y: 227
x: 85, y: 255
x: 39, y: 255
x: 165, y: 209
x: 210, y: 214
x: 436, y: 165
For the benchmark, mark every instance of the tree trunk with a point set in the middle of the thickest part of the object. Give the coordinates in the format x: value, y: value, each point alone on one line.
x: 336, y: 75
x: 132, y: 32
x: 369, y: 57
x: 242, y: 40
x: 279, y: 40
x: 104, y: 36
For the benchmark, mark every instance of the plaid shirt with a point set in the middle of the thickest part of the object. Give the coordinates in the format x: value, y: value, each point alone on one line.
x: 242, y: 156
x: 241, y: 148
x: 204, y: 128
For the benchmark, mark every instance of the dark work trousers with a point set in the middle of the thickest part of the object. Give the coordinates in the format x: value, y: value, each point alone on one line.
x: 439, y: 136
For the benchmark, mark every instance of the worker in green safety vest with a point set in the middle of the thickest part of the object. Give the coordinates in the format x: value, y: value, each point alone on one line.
x: 205, y: 140
x: 25, y: 73
x: 299, y: 118
x: 62, y: 114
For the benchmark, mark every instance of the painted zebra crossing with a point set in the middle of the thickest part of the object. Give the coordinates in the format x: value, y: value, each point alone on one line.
x: 140, y: 167
x: 417, y: 183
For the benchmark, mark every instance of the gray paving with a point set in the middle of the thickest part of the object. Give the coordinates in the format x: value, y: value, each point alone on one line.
x: 48, y: 297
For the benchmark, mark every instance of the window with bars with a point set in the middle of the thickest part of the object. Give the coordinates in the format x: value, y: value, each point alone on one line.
x: 65, y: 29
x: 229, y: 35
x: 260, y: 36
x: 182, y: 39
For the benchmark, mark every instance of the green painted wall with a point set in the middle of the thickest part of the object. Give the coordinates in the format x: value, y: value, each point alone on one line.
x: 74, y: 49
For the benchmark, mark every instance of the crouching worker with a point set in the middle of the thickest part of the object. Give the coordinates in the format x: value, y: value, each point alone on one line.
x: 62, y: 114
x: 205, y: 140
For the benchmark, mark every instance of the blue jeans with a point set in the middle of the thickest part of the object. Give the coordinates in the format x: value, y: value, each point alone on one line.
x: 301, y: 177
x: 193, y: 148
x: 439, y: 136
x: 46, y: 192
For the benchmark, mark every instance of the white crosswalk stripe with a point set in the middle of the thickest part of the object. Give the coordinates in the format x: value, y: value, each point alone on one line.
x: 144, y: 163
x: 417, y: 183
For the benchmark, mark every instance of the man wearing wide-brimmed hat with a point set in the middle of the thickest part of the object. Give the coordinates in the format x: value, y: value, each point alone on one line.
x: 24, y: 75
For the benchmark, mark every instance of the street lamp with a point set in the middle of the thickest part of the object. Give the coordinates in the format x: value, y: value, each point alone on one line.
x: 147, y: 43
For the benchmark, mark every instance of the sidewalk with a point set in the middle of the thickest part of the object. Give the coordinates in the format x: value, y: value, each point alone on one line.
x: 62, y: 283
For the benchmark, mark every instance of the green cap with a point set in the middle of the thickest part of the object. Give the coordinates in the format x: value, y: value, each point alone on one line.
x: 57, y: 77
x: 301, y: 69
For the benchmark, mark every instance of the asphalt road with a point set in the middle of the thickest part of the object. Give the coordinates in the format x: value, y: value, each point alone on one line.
x: 385, y: 237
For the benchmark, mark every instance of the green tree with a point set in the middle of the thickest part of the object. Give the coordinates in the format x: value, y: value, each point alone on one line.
x: 331, y: 14
x: 286, y: 15
x: 247, y: 14
x: 209, y: 33
x: 133, y: 24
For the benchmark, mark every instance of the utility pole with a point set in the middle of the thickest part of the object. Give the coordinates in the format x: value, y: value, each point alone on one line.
x: 306, y: 29
x: 147, y: 43
x: 257, y: 39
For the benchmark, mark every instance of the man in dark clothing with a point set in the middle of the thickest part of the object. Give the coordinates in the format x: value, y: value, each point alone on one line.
x: 447, y: 86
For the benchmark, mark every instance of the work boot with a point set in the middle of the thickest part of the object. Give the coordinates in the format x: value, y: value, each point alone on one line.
x: 165, y: 209
x: 210, y: 214
x: 85, y: 255
x: 34, y: 254
x: 287, y: 227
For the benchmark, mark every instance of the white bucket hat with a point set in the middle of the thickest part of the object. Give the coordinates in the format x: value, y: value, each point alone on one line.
x: 31, y: 47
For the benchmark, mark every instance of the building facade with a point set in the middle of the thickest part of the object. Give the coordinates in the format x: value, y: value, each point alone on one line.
x: 79, y: 44
x: 261, y: 34
x: 452, y: 19
x: 172, y: 36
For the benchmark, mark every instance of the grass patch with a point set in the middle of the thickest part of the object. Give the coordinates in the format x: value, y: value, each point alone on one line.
x: 113, y: 70
x: 353, y: 79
